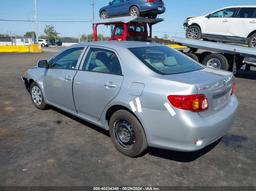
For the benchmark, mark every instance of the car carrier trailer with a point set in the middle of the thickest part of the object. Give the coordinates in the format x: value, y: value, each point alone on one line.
x: 218, y: 55
x: 127, y: 28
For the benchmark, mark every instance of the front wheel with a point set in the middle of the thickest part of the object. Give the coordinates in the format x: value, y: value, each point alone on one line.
x: 37, y: 96
x: 104, y: 15
x: 134, y: 11
x: 252, y: 41
x: 127, y: 134
x: 194, y: 32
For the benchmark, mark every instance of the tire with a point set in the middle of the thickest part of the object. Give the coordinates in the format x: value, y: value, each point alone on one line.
x: 134, y: 11
x: 193, y: 56
x: 217, y: 61
x: 194, y: 32
x: 37, y: 97
x: 153, y: 16
x: 43, y: 45
x: 252, y: 41
x: 122, y: 123
x: 103, y: 15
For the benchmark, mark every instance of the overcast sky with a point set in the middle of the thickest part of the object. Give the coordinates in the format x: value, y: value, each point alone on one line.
x: 177, y: 11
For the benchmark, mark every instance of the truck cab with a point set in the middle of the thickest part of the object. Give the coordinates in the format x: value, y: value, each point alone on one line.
x: 128, y: 28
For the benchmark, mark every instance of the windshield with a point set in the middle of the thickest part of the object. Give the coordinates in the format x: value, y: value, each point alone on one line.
x: 165, y: 60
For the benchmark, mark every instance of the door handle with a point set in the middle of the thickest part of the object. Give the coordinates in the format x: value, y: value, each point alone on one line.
x: 253, y: 22
x: 109, y: 85
x: 68, y: 78
x: 225, y: 21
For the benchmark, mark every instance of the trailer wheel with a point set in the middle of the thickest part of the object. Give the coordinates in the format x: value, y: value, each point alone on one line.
x: 252, y: 41
x: 217, y: 61
x: 193, y: 56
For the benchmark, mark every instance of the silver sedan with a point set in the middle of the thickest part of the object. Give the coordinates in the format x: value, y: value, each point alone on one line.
x: 145, y: 94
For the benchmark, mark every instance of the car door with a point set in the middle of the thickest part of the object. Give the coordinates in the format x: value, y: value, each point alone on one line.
x: 118, y: 7
x: 217, y: 23
x: 246, y: 20
x: 59, y: 77
x: 97, y: 82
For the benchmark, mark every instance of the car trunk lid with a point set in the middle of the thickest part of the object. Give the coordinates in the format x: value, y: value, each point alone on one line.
x: 214, y: 84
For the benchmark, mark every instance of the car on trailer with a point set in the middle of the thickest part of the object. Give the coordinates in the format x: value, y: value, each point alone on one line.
x: 136, y: 8
x: 235, y: 24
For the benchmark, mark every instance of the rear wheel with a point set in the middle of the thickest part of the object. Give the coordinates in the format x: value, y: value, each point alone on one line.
x: 154, y: 16
x: 194, y: 32
x: 127, y: 134
x: 217, y: 61
x: 103, y: 15
x: 134, y: 11
x: 252, y: 41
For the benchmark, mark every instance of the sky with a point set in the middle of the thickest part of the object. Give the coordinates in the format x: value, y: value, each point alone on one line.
x: 176, y: 13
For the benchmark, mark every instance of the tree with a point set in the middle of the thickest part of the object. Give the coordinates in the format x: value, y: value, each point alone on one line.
x: 166, y: 36
x: 51, y: 33
x: 31, y: 34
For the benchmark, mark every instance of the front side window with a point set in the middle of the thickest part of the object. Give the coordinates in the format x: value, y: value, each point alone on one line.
x: 247, y: 13
x: 102, y: 61
x: 67, y: 59
x: 226, y: 13
x: 164, y: 60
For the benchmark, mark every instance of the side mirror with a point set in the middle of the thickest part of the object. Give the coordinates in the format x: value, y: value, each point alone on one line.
x: 208, y: 16
x: 110, y: 3
x: 43, y: 64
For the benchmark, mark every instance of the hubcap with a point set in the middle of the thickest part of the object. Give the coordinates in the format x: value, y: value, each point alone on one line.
x: 214, y: 63
x: 254, y: 42
x: 134, y: 12
x: 124, y: 134
x: 193, y: 33
x: 36, y: 95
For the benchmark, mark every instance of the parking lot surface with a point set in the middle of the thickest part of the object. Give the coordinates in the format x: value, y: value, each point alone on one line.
x: 52, y: 148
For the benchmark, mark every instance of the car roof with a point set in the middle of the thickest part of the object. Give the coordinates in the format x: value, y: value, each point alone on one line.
x: 118, y: 44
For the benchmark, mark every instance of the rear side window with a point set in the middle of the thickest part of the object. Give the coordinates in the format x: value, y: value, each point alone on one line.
x: 225, y: 13
x: 165, y: 60
x: 102, y: 61
x: 247, y: 13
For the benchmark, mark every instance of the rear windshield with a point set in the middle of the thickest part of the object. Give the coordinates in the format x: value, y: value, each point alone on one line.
x: 165, y: 60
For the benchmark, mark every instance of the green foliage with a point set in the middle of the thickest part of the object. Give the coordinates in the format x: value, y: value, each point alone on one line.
x: 51, y: 33
x: 89, y: 37
x: 31, y: 34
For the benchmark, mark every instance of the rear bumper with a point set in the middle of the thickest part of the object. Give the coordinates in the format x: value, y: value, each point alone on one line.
x: 187, y: 131
x: 149, y: 8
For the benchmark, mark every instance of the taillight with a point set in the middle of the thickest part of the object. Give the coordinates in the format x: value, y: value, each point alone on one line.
x: 195, y: 103
x: 151, y: 1
x: 233, y: 90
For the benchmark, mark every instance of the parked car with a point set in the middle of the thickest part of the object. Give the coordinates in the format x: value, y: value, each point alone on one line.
x: 43, y: 42
x: 145, y: 94
x: 136, y: 8
x: 231, y: 24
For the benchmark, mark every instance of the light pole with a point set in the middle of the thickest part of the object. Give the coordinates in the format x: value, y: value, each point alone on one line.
x: 93, y: 14
x: 36, y: 19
